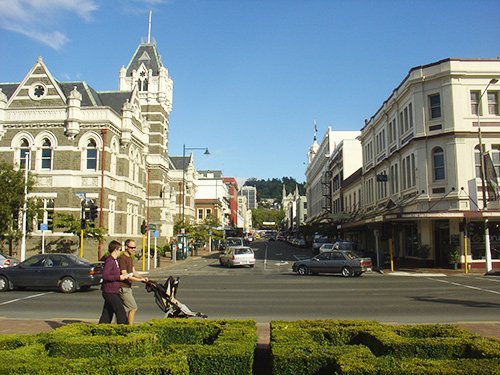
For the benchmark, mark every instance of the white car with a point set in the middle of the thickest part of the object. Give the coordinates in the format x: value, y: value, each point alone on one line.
x: 237, y: 256
x: 326, y: 247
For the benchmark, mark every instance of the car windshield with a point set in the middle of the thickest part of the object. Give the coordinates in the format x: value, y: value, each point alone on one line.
x: 350, y: 255
x: 233, y: 241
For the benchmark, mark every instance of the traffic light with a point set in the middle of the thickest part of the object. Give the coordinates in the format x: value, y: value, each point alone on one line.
x: 92, y: 211
x: 461, y: 225
x: 143, y: 227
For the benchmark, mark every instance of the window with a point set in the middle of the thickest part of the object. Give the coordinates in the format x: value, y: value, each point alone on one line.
x: 200, y: 213
x: 474, y: 102
x: 46, y: 213
x: 92, y: 155
x: 392, y: 131
x: 394, y: 178
x: 435, y: 106
x: 493, y: 102
x: 408, y: 172
x: 24, y: 151
x: 477, y: 161
x: 209, y: 212
x: 46, y: 162
x: 495, y: 157
x: 438, y: 164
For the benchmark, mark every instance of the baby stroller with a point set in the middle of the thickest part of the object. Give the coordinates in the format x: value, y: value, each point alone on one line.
x: 165, y: 299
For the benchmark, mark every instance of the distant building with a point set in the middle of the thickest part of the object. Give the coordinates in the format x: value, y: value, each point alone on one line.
x: 250, y: 192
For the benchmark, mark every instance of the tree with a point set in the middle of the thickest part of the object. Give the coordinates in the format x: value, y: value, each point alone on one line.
x: 259, y: 216
x: 12, y: 201
x: 202, y: 231
x: 73, y: 225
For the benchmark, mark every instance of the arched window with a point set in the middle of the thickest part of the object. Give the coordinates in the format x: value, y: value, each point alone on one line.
x: 438, y: 164
x: 92, y: 155
x: 23, y: 152
x: 46, y: 161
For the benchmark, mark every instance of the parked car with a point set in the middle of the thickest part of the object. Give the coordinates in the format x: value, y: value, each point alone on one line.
x: 326, y: 247
x: 344, y: 262
x: 232, y: 241
x: 7, y: 261
x: 347, y: 245
x: 237, y: 256
x: 318, y: 241
x: 64, y: 271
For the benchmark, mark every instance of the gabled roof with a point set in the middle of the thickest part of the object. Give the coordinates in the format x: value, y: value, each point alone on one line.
x: 176, y: 161
x: 148, y: 55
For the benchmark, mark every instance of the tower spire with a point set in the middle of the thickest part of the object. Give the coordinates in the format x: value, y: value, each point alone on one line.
x: 149, y: 28
x: 315, y: 129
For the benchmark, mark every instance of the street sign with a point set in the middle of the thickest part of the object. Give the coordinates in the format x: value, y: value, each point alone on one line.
x: 156, y: 233
x: 44, y: 227
x: 80, y: 195
x: 152, y: 226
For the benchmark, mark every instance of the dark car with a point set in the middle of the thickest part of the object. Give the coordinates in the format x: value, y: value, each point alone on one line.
x: 344, y: 262
x: 64, y: 271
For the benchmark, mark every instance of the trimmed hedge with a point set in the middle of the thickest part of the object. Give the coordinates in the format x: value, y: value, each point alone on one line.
x: 161, y: 346
x: 359, y: 347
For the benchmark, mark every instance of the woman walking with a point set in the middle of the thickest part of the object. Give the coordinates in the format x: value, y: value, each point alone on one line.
x: 110, y: 287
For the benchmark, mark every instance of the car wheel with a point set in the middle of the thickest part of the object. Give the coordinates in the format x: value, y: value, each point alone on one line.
x: 67, y: 285
x: 347, y: 271
x: 302, y: 271
x: 4, y: 284
x: 228, y: 264
x: 220, y: 262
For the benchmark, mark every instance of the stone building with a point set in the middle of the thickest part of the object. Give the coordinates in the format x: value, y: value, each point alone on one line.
x: 107, y: 146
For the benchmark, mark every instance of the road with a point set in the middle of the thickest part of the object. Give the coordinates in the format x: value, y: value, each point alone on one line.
x: 270, y: 291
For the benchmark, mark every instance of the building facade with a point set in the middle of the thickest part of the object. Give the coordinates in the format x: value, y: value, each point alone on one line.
x: 110, y: 147
x: 421, y: 181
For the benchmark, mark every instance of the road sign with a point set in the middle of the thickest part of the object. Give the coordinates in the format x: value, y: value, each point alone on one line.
x: 152, y: 226
x: 156, y: 233
x: 80, y: 195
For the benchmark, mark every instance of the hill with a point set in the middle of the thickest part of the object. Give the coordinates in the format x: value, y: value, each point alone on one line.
x: 267, y: 189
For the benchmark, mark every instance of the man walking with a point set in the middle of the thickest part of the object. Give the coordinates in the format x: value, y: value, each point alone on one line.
x: 127, y: 268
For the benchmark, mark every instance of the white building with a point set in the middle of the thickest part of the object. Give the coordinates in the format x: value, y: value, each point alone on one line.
x: 250, y: 192
x: 212, y: 197
x: 421, y: 172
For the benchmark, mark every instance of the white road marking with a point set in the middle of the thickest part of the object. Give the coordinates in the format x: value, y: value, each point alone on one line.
x: 20, y: 299
x: 466, y: 286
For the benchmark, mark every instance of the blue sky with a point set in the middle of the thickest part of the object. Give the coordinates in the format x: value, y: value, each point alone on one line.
x: 250, y: 76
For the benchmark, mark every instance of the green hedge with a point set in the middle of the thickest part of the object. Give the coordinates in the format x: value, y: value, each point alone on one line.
x: 358, y: 347
x: 162, y: 346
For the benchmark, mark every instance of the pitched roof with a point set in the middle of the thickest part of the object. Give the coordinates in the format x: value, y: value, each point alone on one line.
x: 176, y: 161
x: 148, y: 55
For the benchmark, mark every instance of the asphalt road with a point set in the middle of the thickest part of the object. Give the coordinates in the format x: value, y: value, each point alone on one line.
x: 270, y: 291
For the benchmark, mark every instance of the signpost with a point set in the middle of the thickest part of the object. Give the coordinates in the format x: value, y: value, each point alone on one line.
x: 156, y: 234
x: 43, y: 228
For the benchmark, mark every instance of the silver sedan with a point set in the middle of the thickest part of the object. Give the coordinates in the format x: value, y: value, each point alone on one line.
x: 237, y: 256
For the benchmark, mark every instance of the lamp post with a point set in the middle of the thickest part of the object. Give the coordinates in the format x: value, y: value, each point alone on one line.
x: 184, y: 148
x: 483, y: 184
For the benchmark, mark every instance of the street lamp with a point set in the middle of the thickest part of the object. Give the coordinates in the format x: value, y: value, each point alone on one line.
x: 184, y: 148
x: 483, y: 184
